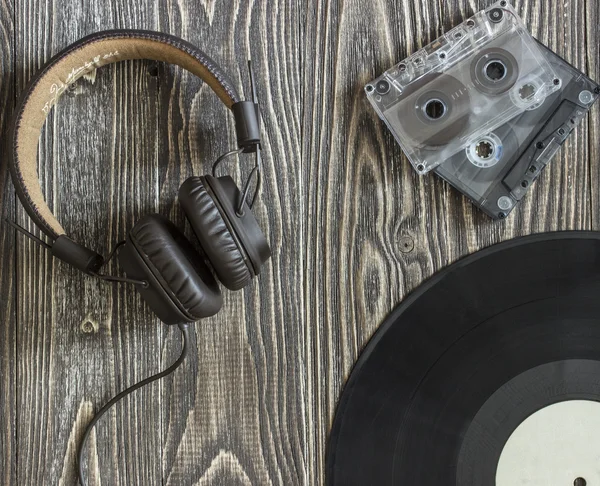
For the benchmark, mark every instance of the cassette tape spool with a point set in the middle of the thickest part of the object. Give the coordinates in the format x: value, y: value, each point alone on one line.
x: 463, y: 86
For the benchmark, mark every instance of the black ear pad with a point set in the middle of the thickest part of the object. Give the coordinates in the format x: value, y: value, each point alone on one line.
x: 181, y: 287
x: 234, y: 245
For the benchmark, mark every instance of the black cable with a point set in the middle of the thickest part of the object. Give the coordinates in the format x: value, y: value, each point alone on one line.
x: 124, y: 393
x: 29, y: 235
x: 111, y: 278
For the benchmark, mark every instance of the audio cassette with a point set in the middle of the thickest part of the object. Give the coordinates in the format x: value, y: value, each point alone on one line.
x: 463, y: 86
x: 496, y: 170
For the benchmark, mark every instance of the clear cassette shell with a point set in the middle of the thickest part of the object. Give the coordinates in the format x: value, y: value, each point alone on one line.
x: 462, y: 86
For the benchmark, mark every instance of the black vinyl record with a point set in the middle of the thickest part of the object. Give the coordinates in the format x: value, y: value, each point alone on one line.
x: 468, y: 357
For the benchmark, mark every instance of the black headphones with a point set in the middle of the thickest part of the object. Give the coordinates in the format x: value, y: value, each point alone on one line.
x: 158, y: 259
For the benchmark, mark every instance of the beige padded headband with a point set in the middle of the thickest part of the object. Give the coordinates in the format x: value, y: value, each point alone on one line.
x: 71, y: 64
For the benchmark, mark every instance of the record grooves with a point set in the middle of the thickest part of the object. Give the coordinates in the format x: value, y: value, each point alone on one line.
x: 466, y: 359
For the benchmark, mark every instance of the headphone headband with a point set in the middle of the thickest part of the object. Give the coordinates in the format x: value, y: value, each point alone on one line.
x: 67, y: 67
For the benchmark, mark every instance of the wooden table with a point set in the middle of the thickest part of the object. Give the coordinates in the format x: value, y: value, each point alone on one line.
x: 353, y: 229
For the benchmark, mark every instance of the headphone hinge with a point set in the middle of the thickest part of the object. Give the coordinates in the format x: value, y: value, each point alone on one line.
x: 76, y: 255
x: 247, y: 125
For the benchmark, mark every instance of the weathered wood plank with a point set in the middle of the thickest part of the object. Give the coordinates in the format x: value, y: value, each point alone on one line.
x: 112, y: 152
x: 592, y: 65
x: 8, y: 323
x: 81, y: 341
x: 237, y: 416
x: 370, y: 207
x: 353, y: 229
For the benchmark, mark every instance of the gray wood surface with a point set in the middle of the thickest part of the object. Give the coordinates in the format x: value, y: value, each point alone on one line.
x: 352, y: 227
x: 8, y: 372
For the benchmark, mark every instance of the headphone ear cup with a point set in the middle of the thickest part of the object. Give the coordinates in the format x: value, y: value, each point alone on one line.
x: 215, y: 233
x: 181, y: 287
x: 244, y: 225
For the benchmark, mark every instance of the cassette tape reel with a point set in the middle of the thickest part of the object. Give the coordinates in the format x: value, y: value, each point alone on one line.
x: 445, y: 103
x: 463, y: 86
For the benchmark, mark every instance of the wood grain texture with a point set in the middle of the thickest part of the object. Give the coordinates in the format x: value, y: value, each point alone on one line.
x: 352, y: 227
x: 80, y: 341
x: 114, y: 149
x: 370, y: 207
x: 8, y: 324
x: 591, y: 64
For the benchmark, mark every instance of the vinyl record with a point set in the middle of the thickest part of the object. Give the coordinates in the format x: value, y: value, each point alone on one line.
x: 463, y: 384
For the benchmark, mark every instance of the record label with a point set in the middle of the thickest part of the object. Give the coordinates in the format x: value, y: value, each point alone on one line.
x: 559, y: 444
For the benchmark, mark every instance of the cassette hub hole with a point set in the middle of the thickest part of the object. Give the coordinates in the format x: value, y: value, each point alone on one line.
x: 495, y: 70
x: 580, y: 482
x: 484, y: 149
x: 496, y: 15
x: 382, y: 87
x: 527, y: 91
x: 485, y: 152
x: 435, y: 109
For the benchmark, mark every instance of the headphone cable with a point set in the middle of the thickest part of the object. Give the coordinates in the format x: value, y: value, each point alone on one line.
x: 184, y: 351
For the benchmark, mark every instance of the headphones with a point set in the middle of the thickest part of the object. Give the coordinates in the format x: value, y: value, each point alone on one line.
x: 171, y: 276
